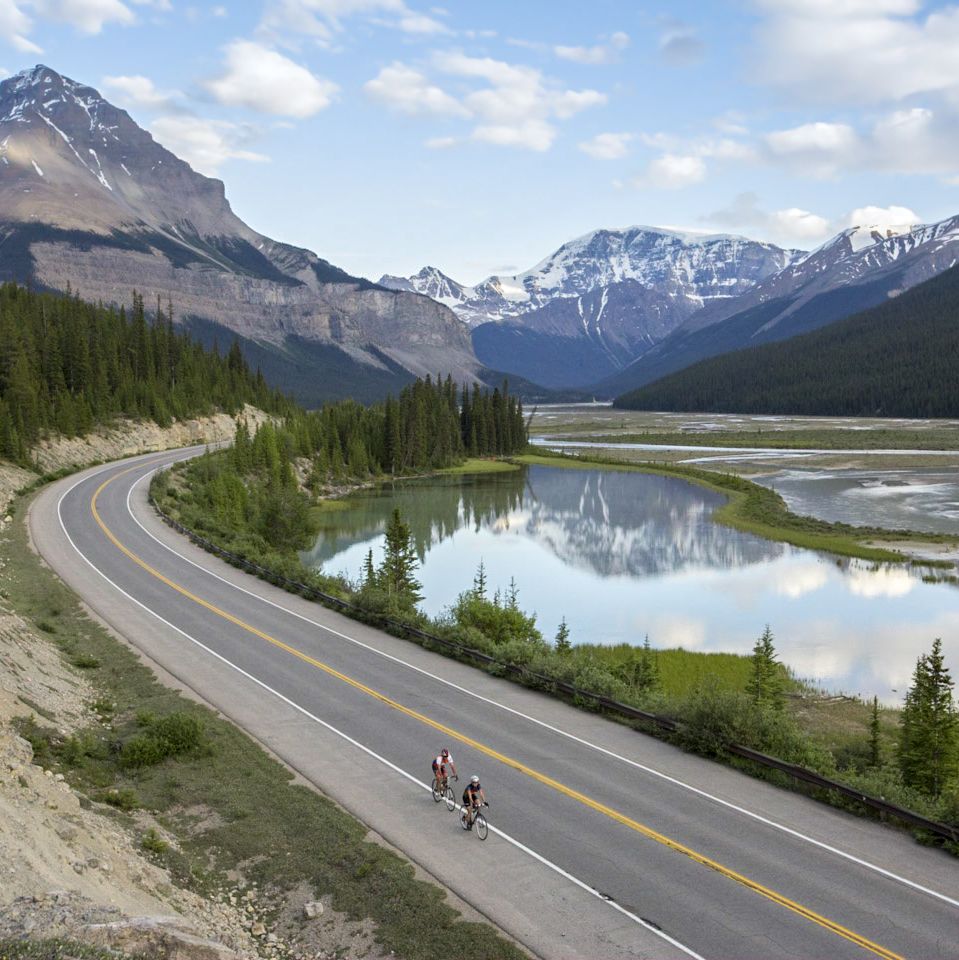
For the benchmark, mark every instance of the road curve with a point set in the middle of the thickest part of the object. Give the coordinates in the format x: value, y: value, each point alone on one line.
x: 605, y: 843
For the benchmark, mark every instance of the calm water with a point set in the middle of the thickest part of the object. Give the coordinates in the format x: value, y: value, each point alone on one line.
x: 621, y: 555
x: 917, y: 499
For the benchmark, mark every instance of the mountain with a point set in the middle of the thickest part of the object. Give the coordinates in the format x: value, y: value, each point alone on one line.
x: 90, y: 202
x: 599, y: 301
x: 858, y: 268
x: 894, y: 360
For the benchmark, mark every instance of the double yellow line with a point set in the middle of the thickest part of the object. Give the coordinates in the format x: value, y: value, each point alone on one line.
x: 453, y: 734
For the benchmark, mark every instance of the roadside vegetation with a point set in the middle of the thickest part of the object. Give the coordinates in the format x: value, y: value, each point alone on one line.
x: 718, y: 700
x: 225, y: 809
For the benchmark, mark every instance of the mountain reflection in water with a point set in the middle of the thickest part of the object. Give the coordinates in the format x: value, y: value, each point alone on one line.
x: 607, y: 522
x: 623, y: 554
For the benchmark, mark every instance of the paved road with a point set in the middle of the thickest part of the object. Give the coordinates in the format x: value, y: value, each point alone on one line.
x: 605, y: 843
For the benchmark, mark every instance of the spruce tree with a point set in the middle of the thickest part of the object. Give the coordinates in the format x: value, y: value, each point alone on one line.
x: 765, y: 686
x: 875, y: 754
x: 929, y: 735
x: 563, y: 644
x: 396, y: 573
x: 647, y: 673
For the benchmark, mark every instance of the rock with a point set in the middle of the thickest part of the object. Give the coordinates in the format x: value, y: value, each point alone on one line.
x: 312, y: 909
x: 155, y: 936
x: 258, y: 930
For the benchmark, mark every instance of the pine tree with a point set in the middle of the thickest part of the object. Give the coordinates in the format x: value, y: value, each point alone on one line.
x: 369, y: 572
x: 765, y: 686
x: 929, y: 735
x: 479, y: 581
x: 396, y: 573
x: 563, y: 644
x: 647, y: 672
x: 875, y: 756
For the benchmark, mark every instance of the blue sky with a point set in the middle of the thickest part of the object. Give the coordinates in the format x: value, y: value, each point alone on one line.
x: 388, y: 134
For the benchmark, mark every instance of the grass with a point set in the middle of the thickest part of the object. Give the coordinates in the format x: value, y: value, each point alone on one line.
x: 269, y: 830
x: 761, y: 511
x: 477, y: 465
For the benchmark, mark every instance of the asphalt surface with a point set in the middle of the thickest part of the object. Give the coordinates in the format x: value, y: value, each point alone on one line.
x: 603, y: 842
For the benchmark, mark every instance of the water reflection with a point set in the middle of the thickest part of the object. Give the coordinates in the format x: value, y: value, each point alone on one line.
x: 606, y: 522
x: 621, y: 555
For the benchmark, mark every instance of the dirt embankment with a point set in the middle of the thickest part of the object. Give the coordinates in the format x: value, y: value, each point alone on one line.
x: 68, y: 868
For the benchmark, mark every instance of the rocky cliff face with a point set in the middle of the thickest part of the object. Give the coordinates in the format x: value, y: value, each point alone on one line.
x: 90, y: 200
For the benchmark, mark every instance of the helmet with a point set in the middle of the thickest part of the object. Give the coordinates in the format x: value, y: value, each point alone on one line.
x: 474, y: 779
x: 445, y: 752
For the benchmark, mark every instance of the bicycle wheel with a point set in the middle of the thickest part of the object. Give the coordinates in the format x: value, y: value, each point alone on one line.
x: 450, y: 799
x: 480, y: 826
x: 437, y: 793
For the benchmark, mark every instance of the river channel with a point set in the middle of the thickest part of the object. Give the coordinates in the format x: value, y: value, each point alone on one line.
x: 621, y: 555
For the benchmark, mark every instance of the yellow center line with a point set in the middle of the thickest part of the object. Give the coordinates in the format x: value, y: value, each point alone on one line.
x: 797, y: 908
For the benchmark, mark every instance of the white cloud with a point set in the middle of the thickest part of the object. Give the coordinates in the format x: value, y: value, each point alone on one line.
x: 518, y: 105
x: 799, y: 226
x: 796, y: 226
x: 420, y: 23
x: 262, y: 79
x: 882, y: 217
x: 139, y: 91
x: 322, y: 20
x: 602, y: 53
x: 205, y: 144
x: 88, y: 16
x: 14, y: 27
x: 441, y: 143
x: 407, y: 90
x: 819, y: 149
x: 858, y: 52
x: 672, y: 171
x: 917, y: 140
x: 607, y: 146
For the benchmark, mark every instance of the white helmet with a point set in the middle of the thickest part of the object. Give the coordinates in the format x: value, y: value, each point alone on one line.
x: 474, y: 779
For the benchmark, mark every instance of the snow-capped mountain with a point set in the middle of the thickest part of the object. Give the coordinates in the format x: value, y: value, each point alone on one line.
x: 858, y: 268
x: 600, y: 300
x: 434, y: 284
x: 90, y: 200
x: 694, y: 267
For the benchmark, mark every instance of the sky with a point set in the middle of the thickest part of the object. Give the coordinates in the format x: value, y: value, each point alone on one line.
x: 478, y: 137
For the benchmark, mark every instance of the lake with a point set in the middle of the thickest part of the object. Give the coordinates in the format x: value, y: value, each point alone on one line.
x: 621, y: 555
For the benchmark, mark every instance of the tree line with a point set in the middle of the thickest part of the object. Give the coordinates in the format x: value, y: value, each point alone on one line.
x: 895, y: 360
x: 67, y: 365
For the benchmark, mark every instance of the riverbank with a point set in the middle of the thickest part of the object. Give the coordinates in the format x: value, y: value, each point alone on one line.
x: 761, y: 511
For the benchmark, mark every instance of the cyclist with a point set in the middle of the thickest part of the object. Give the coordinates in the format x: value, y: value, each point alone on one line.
x: 440, y: 765
x: 473, y: 799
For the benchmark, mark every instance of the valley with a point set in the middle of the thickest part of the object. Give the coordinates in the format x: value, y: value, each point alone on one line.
x: 640, y: 498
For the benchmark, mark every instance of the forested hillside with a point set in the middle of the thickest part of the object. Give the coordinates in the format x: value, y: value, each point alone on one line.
x: 895, y: 360
x: 66, y: 366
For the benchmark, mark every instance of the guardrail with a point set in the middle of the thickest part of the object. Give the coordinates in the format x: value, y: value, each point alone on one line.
x: 530, y: 678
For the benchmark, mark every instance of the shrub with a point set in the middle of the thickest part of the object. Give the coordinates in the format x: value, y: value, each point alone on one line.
x: 153, y: 842
x: 123, y: 799
x: 172, y: 735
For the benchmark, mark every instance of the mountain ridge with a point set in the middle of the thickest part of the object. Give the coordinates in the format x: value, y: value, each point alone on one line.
x: 91, y: 202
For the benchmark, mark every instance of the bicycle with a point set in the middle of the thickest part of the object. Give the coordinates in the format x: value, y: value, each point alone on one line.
x: 446, y: 793
x: 479, y: 822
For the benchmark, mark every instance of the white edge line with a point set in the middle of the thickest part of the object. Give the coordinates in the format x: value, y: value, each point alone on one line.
x: 586, y: 743
x: 516, y: 843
